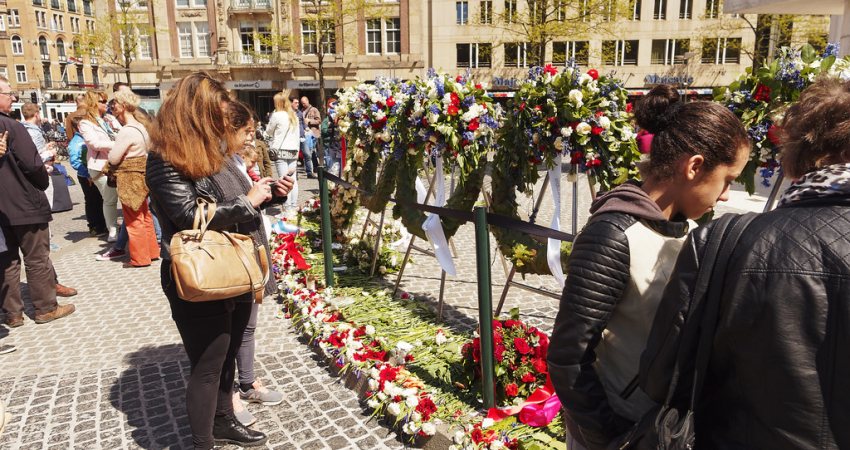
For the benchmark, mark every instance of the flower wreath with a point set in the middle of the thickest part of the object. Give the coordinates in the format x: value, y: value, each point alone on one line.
x: 579, y: 115
x: 761, y: 98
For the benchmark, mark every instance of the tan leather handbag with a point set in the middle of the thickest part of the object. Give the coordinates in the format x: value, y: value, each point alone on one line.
x: 209, y: 265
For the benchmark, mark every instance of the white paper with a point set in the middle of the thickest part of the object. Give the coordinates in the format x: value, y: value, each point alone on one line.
x: 553, y: 246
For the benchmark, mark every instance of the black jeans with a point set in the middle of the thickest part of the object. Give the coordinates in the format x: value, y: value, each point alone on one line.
x: 94, y: 205
x: 212, y: 333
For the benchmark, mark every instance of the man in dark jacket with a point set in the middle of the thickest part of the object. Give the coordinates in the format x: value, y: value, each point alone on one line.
x: 24, y: 215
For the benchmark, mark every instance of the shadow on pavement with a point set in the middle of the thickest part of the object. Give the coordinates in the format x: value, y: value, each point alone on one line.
x: 150, y: 392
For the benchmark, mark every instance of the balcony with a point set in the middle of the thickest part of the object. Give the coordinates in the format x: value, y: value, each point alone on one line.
x: 45, y: 57
x: 252, y: 59
x: 63, y: 58
x: 250, y: 6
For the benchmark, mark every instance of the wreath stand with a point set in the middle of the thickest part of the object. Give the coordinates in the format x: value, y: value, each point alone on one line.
x: 510, y: 274
x: 774, y: 192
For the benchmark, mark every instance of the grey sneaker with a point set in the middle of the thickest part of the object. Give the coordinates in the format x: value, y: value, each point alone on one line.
x: 241, y: 413
x: 261, y: 394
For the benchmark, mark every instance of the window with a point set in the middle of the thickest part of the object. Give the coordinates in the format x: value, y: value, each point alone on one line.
x: 81, y: 77
x: 560, y: 10
x: 712, y: 9
x: 42, y: 48
x: 2, y: 23
x: 328, y: 37
x: 686, y: 9
x: 72, y: 6
x: 516, y: 54
x: 308, y: 38
x: 373, y: 36
x: 75, y: 48
x: 38, y: 2
x: 562, y: 52
x: 462, y: 12
x: 202, y: 39
x: 60, y: 49
x: 144, y: 51
x: 182, y: 3
x: 660, y: 11
x: 14, y: 18
x: 87, y: 7
x: 55, y: 4
x: 95, y: 79
x: 620, y: 53
x: 39, y: 15
x: 48, y: 78
x: 17, y: 45
x: 486, y: 11
x: 393, y: 35
x: 510, y: 11
x: 635, y: 6
x: 54, y: 22
x: 474, y: 55
x: 4, y: 72
x: 669, y: 51
x: 21, y: 73
x: 184, y: 38
x: 721, y: 51
x: 584, y: 10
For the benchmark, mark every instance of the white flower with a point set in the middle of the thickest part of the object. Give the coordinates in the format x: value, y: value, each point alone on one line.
x: 604, y: 103
x: 584, y: 78
x: 412, y: 401
x: 604, y: 122
x: 497, y: 444
x: 370, y: 329
x: 394, y: 409
x: 404, y: 346
x: 487, y: 423
x: 382, y: 397
x: 566, y: 131
x: 576, y: 97
x: 429, y: 429
x: 416, y: 417
x: 409, y: 428
x: 459, y: 437
x: 373, y: 384
x: 440, y: 338
x: 583, y: 128
x: 373, y: 403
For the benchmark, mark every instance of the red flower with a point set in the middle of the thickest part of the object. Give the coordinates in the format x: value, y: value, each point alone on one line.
x: 522, y: 346
x: 551, y: 119
x: 473, y: 124
x: 511, y: 390
x: 390, y: 102
x: 510, y: 323
x: 593, y: 73
x: 762, y: 93
x: 499, y: 352
x: 522, y: 106
x: 476, y: 350
x: 477, y: 85
x: 459, y: 79
x: 408, y: 358
x: 528, y: 378
x: 629, y: 107
x: 542, y: 349
x: 576, y: 157
x: 426, y: 407
x: 452, y: 110
x: 550, y: 69
x: 596, y: 131
x: 455, y: 99
x: 540, y: 365
x: 477, y: 435
x: 497, y: 324
x: 773, y: 134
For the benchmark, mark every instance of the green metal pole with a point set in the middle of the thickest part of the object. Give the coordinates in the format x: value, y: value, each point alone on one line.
x: 326, y: 228
x: 485, y: 306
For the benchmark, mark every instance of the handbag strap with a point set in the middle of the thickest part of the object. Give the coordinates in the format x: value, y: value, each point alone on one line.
x: 202, y: 220
x: 245, y: 262
x: 717, y: 274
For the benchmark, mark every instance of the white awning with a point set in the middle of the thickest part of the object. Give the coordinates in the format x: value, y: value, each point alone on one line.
x: 825, y: 7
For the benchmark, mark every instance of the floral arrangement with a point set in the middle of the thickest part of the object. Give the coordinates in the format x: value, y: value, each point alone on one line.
x: 311, y: 209
x: 287, y: 254
x: 481, y: 436
x: 760, y: 99
x: 520, y: 359
x: 359, y: 253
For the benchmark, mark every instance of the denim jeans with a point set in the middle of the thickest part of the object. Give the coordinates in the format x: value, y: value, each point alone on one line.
x: 307, y: 152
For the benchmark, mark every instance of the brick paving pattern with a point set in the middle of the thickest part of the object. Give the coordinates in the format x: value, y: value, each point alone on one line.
x: 112, y: 374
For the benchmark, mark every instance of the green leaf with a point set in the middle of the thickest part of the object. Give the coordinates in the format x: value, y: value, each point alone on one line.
x: 808, y: 54
x: 827, y: 63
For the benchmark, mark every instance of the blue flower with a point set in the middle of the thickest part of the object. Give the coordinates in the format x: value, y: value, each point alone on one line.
x: 434, y: 109
x: 431, y: 72
x: 534, y: 73
x: 468, y: 101
x: 441, y: 87
x: 468, y: 136
x: 831, y: 49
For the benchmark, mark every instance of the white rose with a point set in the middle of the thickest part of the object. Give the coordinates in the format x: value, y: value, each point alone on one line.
x: 412, y: 401
x: 604, y: 122
x: 566, y: 131
x: 404, y: 346
x: 440, y: 338
x: 370, y: 329
x: 459, y: 437
x: 373, y: 384
x: 576, y: 96
x: 416, y: 417
x: 394, y: 409
x: 583, y: 128
x: 487, y: 423
x: 584, y: 78
x: 429, y: 429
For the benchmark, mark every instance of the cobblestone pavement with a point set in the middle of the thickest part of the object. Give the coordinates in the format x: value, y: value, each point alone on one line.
x: 112, y: 374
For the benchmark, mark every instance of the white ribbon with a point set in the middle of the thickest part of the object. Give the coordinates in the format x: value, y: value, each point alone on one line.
x: 553, y: 247
x: 421, y: 192
x: 434, y: 229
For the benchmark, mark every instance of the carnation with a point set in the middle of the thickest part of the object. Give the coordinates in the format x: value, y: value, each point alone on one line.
x: 429, y: 429
x: 394, y: 409
x: 566, y: 131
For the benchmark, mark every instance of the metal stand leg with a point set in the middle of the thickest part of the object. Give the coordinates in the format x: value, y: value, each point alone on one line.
x: 411, y: 245
x: 377, y: 251
x: 442, y: 290
x: 777, y: 185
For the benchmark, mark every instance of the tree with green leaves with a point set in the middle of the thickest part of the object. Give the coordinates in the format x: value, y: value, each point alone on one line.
x: 119, y: 37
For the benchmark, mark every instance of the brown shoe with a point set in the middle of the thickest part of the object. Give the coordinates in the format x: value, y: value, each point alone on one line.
x: 14, y: 320
x: 65, y: 291
x: 58, y: 313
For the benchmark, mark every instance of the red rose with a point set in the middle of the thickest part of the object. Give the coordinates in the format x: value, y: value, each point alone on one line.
x: 540, y: 365
x: 477, y: 435
x: 550, y: 69
x: 499, y: 352
x: 390, y: 102
x: 528, y: 378
x: 452, y: 110
x: 476, y: 350
x: 473, y: 124
x: 551, y: 119
x: 426, y: 407
x: 477, y: 85
x: 596, y: 131
x: 522, y: 106
x: 762, y: 93
x: 455, y: 99
x: 459, y: 79
x: 511, y: 390
x: 522, y: 346
x: 576, y: 157
x: 497, y: 325
x: 542, y: 349
x: 593, y: 73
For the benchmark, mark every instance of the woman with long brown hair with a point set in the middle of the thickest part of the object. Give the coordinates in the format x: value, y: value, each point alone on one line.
x: 128, y: 157
x: 99, y: 138
x: 192, y: 156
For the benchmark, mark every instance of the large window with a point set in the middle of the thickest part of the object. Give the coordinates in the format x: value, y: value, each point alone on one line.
x: 81, y: 77
x: 72, y: 6
x: 510, y: 11
x: 43, y: 48
x: 21, y: 73
x: 202, y: 39
x: 462, y: 12
x: 87, y: 7
x: 659, y: 11
x: 393, y: 31
x: 193, y: 39
x: 669, y: 51
x: 721, y: 51
x: 48, y: 77
x: 486, y: 12
x: 184, y: 38
x: 309, y: 38
x: 712, y: 9
x: 620, y: 53
x: 374, y: 44
x: 516, y: 54
x: 560, y: 10
x: 14, y: 18
x: 144, y: 50
x: 60, y: 49
x: 41, y: 19
x: 562, y: 52
x: 17, y: 45
x: 686, y: 9
x: 635, y: 7
x: 474, y: 55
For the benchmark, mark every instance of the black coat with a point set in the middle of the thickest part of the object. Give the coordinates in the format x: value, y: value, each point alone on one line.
x: 23, y: 179
x: 779, y: 369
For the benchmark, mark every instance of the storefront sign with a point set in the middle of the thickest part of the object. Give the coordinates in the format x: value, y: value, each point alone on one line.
x: 249, y: 85
x: 654, y: 78
x: 505, y: 83
x: 311, y: 84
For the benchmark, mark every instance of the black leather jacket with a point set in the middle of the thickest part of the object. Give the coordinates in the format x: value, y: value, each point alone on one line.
x: 779, y: 367
x: 174, y: 197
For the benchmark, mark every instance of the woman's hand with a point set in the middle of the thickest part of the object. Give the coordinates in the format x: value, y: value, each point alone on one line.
x: 261, y: 192
x: 283, y: 186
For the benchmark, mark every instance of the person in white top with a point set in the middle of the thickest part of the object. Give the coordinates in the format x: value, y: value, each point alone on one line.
x: 285, y: 141
x: 100, y: 139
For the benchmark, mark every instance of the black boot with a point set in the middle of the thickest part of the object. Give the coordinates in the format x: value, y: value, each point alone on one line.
x: 227, y: 430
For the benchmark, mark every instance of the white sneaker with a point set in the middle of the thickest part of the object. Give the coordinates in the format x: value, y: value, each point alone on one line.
x: 241, y: 413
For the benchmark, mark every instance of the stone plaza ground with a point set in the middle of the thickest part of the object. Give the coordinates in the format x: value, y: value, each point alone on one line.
x: 111, y: 376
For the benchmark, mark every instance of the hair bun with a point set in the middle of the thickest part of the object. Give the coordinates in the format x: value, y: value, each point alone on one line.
x: 658, y: 108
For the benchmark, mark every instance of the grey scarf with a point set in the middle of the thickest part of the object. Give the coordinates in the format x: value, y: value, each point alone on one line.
x: 230, y: 183
x: 829, y: 181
